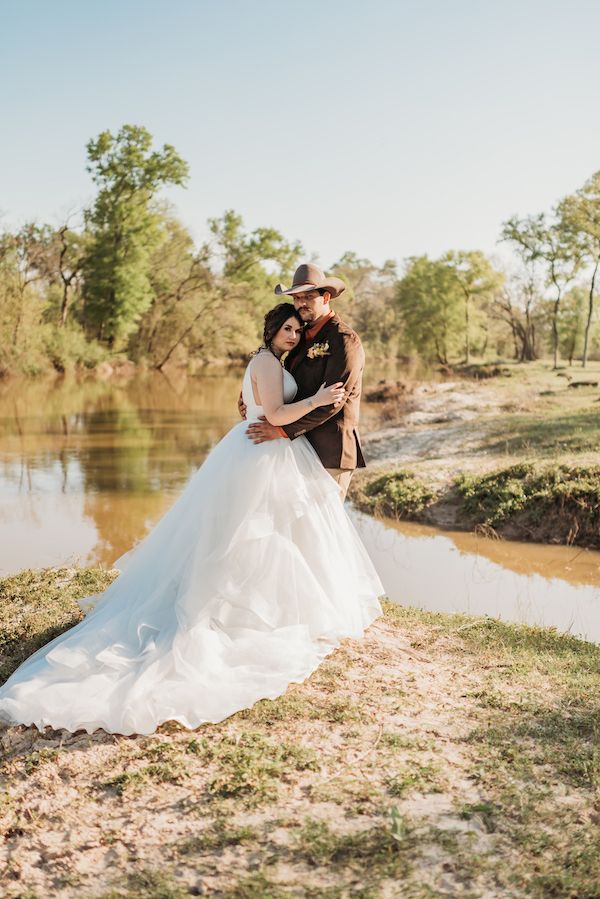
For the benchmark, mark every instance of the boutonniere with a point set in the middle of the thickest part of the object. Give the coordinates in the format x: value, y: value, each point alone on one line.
x: 318, y: 349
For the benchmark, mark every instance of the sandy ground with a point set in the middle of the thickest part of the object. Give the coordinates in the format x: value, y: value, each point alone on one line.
x: 383, y: 795
x: 439, y: 428
x: 458, y: 425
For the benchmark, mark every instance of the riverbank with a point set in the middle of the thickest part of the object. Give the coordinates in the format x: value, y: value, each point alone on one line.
x: 440, y: 755
x: 512, y: 451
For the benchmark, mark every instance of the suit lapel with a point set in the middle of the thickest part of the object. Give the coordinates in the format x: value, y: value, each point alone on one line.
x: 297, y: 354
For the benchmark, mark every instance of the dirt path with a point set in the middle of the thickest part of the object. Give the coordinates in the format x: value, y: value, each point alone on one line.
x: 446, y: 425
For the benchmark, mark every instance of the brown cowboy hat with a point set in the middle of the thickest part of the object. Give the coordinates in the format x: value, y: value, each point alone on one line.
x: 308, y: 277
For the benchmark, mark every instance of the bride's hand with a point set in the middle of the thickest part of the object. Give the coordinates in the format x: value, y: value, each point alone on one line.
x: 327, y: 396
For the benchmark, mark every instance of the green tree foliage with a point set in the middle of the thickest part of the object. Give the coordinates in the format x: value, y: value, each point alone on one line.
x: 572, y: 323
x: 517, y: 303
x: 133, y: 281
x: 553, y: 244
x: 23, y: 258
x: 430, y: 302
x: 40, y: 278
x: 124, y: 227
x: 249, y: 265
x: 368, y: 304
x: 580, y: 219
x: 478, y: 283
x: 183, y: 318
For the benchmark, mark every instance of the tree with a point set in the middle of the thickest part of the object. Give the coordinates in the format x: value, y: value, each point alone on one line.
x: 516, y: 303
x: 477, y: 280
x: 539, y: 240
x: 124, y: 226
x: 580, y: 218
x: 430, y: 302
x: 249, y: 266
x: 572, y: 326
x: 368, y: 303
x: 70, y: 253
x: 23, y: 264
x: 184, y: 298
x: 243, y: 255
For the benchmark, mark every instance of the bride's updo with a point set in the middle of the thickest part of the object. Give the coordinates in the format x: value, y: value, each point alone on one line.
x: 274, y: 320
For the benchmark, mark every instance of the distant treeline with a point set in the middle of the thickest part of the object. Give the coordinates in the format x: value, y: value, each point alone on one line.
x: 130, y: 283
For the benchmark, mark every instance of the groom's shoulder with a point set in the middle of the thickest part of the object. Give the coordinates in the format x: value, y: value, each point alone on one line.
x: 345, y: 332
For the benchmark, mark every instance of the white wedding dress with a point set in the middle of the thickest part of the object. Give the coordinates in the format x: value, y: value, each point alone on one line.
x: 244, y: 585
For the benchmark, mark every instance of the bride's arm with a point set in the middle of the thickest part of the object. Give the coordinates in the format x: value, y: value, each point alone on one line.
x: 269, y: 382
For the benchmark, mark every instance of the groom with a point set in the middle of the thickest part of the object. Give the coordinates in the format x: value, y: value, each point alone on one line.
x: 329, y: 351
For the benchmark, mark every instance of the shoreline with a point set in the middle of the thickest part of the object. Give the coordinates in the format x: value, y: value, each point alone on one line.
x: 514, y: 455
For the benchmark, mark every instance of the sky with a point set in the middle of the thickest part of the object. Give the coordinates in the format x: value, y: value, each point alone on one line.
x: 388, y: 128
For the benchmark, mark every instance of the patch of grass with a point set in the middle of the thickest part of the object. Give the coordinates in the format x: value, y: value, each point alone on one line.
x: 405, y: 741
x: 415, y: 776
x: 38, y: 758
x: 381, y: 850
x: 256, y: 886
x: 216, y: 836
x: 298, y: 706
x: 146, y: 884
x: 172, y: 772
x: 397, y: 494
x: 548, y: 434
x: 487, y: 811
x: 357, y: 795
x: 37, y: 605
x: 578, y: 874
x: 250, y: 766
x: 545, y: 502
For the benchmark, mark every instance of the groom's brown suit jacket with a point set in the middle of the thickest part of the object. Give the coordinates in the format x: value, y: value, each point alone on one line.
x: 332, y: 432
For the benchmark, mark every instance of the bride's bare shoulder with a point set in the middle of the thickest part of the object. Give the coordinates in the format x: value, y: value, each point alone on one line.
x: 264, y: 361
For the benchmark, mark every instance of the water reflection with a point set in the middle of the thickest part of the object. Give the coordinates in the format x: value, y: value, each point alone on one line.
x: 552, y: 586
x: 87, y: 467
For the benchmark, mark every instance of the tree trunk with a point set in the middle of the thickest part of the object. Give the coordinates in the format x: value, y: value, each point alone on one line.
x: 589, y: 317
x: 64, y: 304
x: 555, y: 328
x: 467, y: 331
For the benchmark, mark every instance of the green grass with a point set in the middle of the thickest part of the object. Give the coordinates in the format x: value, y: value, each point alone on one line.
x: 218, y: 835
x: 134, y: 781
x: 530, y: 500
x: 36, y: 606
x: 146, y: 883
x: 396, y: 494
x: 251, y: 767
x: 415, y: 776
x: 382, y: 848
x: 548, y: 501
x: 554, y: 431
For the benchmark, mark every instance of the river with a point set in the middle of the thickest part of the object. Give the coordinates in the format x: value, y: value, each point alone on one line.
x: 88, y: 466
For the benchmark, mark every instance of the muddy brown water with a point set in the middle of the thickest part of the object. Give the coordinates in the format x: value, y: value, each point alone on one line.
x: 88, y: 467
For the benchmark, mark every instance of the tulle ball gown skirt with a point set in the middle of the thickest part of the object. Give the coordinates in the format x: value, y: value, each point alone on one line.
x: 246, y: 583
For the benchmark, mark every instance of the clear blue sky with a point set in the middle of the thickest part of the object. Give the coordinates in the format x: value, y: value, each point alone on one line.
x: 387, y: 127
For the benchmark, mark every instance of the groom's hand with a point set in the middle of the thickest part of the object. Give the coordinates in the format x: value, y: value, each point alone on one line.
x: 242, y: 407
x: 262, y: 430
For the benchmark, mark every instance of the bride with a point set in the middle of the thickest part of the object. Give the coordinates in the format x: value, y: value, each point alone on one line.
x: 246, y: 583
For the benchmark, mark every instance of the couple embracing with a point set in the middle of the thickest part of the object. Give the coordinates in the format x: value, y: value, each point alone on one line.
x: 252, y: 576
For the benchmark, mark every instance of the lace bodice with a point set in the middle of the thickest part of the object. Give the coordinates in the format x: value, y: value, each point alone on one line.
x: 253, y: 410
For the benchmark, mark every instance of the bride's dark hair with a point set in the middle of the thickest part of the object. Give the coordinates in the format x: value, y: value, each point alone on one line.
x: 274, y: 319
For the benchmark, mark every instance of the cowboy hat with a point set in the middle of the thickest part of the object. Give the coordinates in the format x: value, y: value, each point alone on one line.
x: 308, y: 277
